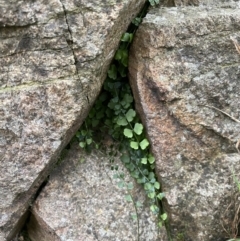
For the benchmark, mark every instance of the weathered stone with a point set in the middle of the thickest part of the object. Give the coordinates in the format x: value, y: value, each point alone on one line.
x: 180, y: 3
x: 54, y: 56
x: 177, y: 3
x: 82, y: 201
x: 183, y: 65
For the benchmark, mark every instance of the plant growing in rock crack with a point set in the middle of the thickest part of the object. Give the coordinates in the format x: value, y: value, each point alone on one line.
x: 113, y: 113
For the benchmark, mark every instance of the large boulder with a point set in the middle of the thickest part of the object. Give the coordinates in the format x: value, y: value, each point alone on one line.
x: 54, y: 56
x: 184, y: 70
x: 84, y: 200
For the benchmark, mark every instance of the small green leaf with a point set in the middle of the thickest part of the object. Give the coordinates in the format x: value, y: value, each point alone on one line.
x: 130, y: 37
x: 121, y: 175
x: 83, y: 132
x: 147, y: 186
x: 139, y: 180
x: 95, y: 123
x: 111, y: 105
x: 154, y: 208
x: 82, y: 160
x: 145, y: 172
x: 153, y: 180
x: 152, y: 166
x: 128, y: 133
x: 112, y: 72
x: 152, y: 2
x: 138, y: 128
x: 123, y: 103
x: 128, y: 98
x: 122, y: 70
x: 122, y: 121
x: 82, y: 144
x: 130, y: 186
x: 144, y: 144
x: 136, y: 21
x: 135, y: 174
x: 152, y: 195
x: 98, y: 105
x: 151, y: 159
x: 115, y: 99
x: 124, y: 58
x: 115, y: 176
x: 118, y: 54
x: 126, y: 37
x: 92, y: 113
x: 89, y: 141
x: 144, y: 160
x: 100, y: 115
x: 164, y: 217
x: 134, y: 145
x: 131, y: 167
x: 128, y: 198
x: 109, y: 112
x: 130, y: 115
x: 139, y: 204
x: 160, y: 224
x: 125, y: 158
x: 117, y: 107
x: 144, y: 179
x: 160, y: 196
x: 151, y: 175
x: 134, y: 216
x: 157, y: 185
x: 121, y: 184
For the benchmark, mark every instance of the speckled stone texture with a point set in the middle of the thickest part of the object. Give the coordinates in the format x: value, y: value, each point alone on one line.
x: 82, y: 202
x: 54, y: 56
x: 209, y: 3
x: 182, y: 65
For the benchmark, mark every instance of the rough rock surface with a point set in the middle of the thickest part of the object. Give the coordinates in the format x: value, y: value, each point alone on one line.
x: 54, y: 56
x: 180, y: 3
x: 82, y: 201
x: 183, y: 65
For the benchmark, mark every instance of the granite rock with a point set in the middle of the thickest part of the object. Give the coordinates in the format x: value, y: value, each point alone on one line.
x: 84, y: 200
x: 184, y: 71
x: 54, y: 57
x: 209, y: 3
